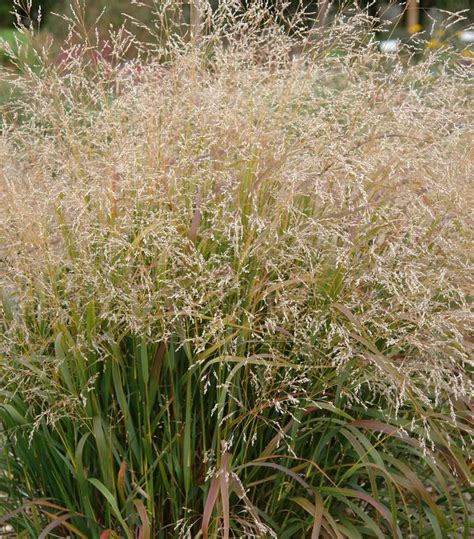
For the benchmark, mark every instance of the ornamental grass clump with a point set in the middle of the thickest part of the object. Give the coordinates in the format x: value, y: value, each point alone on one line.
x: 236, y: 283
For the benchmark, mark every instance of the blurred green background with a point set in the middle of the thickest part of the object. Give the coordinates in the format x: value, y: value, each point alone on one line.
x: 54, y: 29
x: 115, y: 8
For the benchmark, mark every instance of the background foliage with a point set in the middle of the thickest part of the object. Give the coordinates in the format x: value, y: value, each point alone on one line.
x: 115, y: 8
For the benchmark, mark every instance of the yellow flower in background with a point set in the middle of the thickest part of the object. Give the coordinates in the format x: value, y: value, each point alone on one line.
x: 432, y: 44
x: 468, y: 53
x: 414, y: 28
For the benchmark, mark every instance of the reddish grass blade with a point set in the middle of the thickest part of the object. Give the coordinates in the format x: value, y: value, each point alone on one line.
x: 66, y: 524
x: 318, y: 516
x: 224, y: 488
x: 145, y: 531
x: 109, y: 533
x: 352, y: 493
x: 280, y: 468
x: 220, y: 484
x: 195, y: 222
x: 316, y: 510
x: 389, y: 430
x: 59, y: 521
x: 121, y: 481
x: 209, y: 506
x: 5, y: 518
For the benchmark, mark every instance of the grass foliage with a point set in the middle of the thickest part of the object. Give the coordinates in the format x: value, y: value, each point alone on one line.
x: 236, y: 284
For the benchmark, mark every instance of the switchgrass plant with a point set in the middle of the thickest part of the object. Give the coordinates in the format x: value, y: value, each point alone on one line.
x: 236, y: 285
